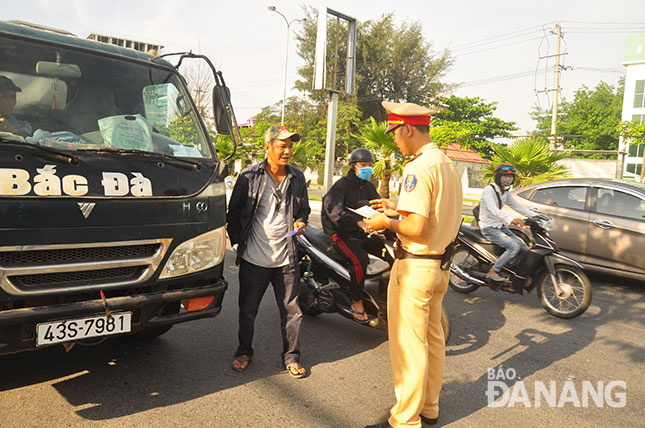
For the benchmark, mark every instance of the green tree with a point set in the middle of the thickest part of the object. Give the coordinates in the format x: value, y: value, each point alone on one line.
x: 594, y: 115
x: 382, y: 145
x: 469, y: 122
x: 532, y: 159
x: 393, y: 62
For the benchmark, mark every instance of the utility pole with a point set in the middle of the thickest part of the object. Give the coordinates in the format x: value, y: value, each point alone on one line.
x: 554, y: 115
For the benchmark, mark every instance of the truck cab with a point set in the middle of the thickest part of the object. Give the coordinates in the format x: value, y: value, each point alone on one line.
x: 112, y: 200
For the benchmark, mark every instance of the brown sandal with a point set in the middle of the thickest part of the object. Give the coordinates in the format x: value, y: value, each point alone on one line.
x: 243, y: 363
x: 296, y: 370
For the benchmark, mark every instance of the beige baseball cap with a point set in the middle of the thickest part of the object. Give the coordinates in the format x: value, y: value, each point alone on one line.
x: 280, y: 132
x: 406, y: 114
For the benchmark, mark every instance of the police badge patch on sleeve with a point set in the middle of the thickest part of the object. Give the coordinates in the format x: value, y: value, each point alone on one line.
x: 410, y: 182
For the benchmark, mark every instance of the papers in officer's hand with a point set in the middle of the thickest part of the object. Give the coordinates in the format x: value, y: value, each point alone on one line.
x: 365, y: 211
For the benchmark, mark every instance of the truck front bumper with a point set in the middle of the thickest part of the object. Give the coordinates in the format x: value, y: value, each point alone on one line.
x: 18, y: 326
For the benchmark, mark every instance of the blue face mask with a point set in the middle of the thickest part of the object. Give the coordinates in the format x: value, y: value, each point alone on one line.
x: 365, y: 173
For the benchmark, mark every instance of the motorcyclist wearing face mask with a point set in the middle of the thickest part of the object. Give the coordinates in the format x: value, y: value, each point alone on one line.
x: 347, y: 229
x: 494, y: 223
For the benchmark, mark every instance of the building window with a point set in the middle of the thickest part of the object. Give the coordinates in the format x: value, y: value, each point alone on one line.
x: 640, y: 118
x: 634, y: 168
x: 639, y: 95
x: 636, y: 150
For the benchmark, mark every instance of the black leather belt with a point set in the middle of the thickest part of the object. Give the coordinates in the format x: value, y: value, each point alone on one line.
x: 400, y: 253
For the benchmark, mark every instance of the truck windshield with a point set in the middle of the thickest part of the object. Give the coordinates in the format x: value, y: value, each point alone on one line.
x: 69, y: 99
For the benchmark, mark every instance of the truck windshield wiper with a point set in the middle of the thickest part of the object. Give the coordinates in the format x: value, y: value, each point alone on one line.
x: 57, y: 154
x: 191, y: 164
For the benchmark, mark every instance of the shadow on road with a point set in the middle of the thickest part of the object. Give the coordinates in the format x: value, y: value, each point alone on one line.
x: 124, y: 376
x: 468, y: 333
x: 541, y: 349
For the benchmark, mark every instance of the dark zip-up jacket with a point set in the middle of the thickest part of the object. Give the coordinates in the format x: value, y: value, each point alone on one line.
x: 244, y: 202
x: 346, y: 192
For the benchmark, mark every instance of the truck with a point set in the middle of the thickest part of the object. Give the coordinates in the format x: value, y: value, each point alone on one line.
x: 112, y: 195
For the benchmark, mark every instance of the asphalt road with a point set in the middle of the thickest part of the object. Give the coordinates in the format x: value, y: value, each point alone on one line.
x: 183, y: 379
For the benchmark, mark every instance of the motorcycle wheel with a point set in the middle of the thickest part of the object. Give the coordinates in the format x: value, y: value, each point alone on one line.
x: 307, y: 301
x: 464, y: 260
x: 445, y: 323
x: 575, y: 295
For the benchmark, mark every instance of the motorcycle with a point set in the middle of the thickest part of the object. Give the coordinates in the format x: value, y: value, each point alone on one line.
x: 562, y: 286
x: 325, y: 280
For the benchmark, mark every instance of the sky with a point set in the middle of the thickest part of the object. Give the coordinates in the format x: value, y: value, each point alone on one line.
x: 496, y: 45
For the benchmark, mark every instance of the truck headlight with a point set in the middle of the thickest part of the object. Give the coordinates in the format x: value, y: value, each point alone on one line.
x: 196, y: 254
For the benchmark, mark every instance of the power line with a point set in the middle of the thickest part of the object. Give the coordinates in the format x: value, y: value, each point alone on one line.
x: 496, y: 79
x: 601, y: 70
x: 496, y: 47
x: 489, y: 39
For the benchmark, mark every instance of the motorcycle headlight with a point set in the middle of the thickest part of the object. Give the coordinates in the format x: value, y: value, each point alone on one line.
x: 196, y: 254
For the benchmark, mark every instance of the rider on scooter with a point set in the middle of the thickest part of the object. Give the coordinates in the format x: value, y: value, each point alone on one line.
x: 493, y: 222
x: 347, y: 229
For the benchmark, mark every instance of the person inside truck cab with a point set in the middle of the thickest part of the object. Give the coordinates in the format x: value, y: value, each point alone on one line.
x: 8, y: 123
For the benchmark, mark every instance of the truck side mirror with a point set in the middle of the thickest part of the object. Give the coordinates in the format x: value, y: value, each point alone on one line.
x: 221, y: 99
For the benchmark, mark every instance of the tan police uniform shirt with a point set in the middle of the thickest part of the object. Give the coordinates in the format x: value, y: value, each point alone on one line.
x: 431, y: 188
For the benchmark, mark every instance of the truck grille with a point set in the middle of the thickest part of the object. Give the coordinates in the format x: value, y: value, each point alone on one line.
x: 75, y: 255
x: 62, y: 269
x: 85, y: 277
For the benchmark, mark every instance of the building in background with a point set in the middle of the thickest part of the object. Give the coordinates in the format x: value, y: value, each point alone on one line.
x: 126, y: 43
x: 634, y: 102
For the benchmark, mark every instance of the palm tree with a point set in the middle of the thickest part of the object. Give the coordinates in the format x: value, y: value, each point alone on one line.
x: 532, y: 159
x: 374, y: 138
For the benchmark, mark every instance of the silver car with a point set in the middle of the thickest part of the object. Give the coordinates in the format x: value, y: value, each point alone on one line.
x: 601, y: 223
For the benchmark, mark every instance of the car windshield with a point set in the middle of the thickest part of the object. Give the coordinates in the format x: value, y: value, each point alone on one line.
x: 69, y: 99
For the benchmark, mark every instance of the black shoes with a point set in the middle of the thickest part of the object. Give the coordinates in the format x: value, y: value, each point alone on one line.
x: 385, y: 424
x: 428, y: 421
x: 424, y: 421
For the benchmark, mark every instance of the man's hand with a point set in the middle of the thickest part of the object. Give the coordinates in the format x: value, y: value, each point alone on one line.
x: 299, y: 225
x: 518, y: 221
x: 376, y: 222
x: 361, y: 224
x: 384, y: 206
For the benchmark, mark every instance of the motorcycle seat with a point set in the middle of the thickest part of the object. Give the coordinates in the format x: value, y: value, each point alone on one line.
x: 474, y: 234
x: 319, y: 239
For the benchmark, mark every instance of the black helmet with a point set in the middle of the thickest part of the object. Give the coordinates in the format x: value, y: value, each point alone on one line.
x: 503, y: 169
x: 361, y: 155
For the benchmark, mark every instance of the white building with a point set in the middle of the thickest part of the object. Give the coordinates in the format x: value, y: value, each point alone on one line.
x: 126, y: 43
x: 634, y: 102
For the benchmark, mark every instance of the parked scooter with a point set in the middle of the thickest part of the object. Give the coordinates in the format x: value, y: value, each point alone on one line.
x: 325, y: 281
x: 563, y: 288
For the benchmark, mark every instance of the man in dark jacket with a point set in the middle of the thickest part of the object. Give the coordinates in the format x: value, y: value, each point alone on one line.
x: 347, y: 229
x: 268, y: 206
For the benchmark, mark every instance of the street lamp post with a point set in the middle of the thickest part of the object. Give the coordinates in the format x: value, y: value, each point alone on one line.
x: 286, y: 55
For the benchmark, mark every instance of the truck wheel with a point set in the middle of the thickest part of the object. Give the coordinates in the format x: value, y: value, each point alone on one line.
x: 152, y: 332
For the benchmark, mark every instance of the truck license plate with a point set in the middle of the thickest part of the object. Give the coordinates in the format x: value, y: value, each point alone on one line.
x: 82, y: 328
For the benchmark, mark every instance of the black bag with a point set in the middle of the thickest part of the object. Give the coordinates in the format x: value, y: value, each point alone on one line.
x: 476, y: 208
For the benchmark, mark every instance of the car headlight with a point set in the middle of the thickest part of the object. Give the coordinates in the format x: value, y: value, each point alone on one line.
x: 196, y: 254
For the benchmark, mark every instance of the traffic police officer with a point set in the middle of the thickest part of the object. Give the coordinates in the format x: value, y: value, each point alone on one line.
x: 429, y: 206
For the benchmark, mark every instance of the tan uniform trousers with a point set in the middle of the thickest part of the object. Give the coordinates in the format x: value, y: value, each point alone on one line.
x: 417, y: 345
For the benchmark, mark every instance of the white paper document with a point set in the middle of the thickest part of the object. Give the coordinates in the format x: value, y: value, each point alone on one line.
x: 365, y: 211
